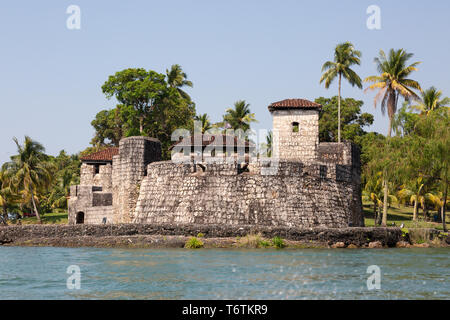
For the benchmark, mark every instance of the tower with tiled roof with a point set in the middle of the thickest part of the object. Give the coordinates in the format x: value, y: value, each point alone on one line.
x: 295, y: 129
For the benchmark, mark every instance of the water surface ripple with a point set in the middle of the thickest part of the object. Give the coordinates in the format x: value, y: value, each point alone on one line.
x: 40, y: 273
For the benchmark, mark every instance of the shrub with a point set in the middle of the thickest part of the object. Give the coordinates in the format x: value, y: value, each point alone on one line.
x: 250, y: 241
x: 193, y: 243
x: 278, y: 242
x: 200, y: 235
x: 264, y: 243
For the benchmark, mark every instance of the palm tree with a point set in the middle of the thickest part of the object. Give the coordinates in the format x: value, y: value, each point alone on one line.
x: 430, y: 101
x: 7, y: 195
x: 204, y: 119
x: 392, y: 83
x: 61, y: 189
x: 373, y: 192
x: 345, y: 56
x: 177, y: 79
x: 267, y: 146
x: 240, y: 117
x: 30, y: 170
x: 414, y: 193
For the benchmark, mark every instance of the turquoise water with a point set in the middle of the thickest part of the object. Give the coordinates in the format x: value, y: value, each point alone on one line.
x: 40, y: 273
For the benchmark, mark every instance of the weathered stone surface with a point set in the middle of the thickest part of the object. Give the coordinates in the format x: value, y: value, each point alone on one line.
x: 297, y: 196
x: 338, y: 245
x: 358, y: 236
x: 312, y: 184
x: 301, y: 145
x: 402, y: 244
x: 375, y: 244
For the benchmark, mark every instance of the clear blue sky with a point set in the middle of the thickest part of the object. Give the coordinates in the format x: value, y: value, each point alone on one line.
x: 260, y: 51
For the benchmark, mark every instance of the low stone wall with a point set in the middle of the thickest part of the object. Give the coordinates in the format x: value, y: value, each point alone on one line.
x: 298, y: 195
x: 95, y: 215
x: 358, y: 236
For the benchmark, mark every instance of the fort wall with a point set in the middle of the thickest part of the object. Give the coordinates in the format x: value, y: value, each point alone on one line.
x: 297, y: 195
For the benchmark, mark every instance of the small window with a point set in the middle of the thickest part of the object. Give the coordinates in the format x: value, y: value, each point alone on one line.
x: 96, y: 169
x: 295, y: 127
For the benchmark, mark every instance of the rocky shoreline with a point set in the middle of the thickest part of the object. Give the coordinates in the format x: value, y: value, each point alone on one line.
x: 212, y: 236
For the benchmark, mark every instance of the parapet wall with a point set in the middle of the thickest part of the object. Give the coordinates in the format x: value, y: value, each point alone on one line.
x: 298, y: 195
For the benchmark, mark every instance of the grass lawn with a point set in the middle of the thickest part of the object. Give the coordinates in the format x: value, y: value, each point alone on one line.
x: 48, y: 218
x: 402, y: 214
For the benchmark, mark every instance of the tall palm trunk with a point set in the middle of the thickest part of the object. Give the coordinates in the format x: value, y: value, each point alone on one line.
x: 391, y: 107
x: 34, y: 207
x: 141, y: 124
x: 416, y: 206
x: 444, y: 205
x: 339, y: 109
x: 5, y: 215
x: 385, y: 203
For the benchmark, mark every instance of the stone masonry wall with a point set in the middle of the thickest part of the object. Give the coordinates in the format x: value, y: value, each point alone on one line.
x: 301, y: 145
x: 95, y: 215
x: 298, y: 195
x: 129, y: 168
x: 103, y: 178
x: 92, y: 201
x: 343, y: 155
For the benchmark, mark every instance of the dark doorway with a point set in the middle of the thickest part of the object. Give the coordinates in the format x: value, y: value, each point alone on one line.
x: 80, y: 217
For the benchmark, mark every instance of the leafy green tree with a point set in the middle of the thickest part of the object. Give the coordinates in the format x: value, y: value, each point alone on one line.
x: 429, y: 155
x: 392, y: 83
x: 431, y: 100
x: 369, y: 143
x: 345, y: 56
x: 30, y: 171
x: 177, y: 79
x: 138, y: 88
x: 113, y: 125
x: 387, y: 157
x: 352, y: 120
x: 148, y: 106
x: 240, y: 117
x: 171, y: 113
x: 404, y: 121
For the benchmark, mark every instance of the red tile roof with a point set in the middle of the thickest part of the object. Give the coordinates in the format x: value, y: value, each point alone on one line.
x: 294, y: 104
x: 103, y: 155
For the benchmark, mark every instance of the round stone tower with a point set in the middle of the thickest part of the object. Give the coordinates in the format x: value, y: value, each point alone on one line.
x: 295, y: 129
x: 129, y: 168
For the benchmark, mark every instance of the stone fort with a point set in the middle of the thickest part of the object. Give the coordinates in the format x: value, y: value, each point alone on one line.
x: 311, y: 184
